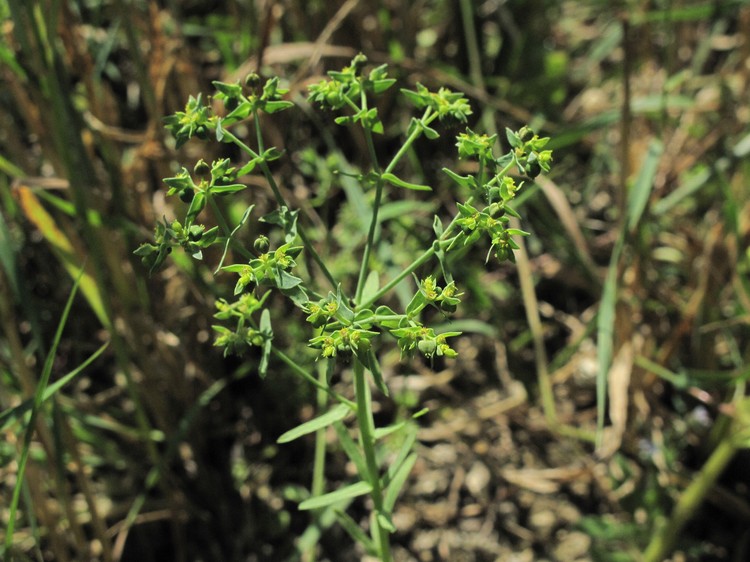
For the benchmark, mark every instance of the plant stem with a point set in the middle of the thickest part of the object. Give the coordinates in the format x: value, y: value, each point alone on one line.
x: 367, y: 440
x: 317, y: 487
x: 375, y: 208
x: 426, y: 255
x: 664, y: 539
x: 282, y: 203
x: 426, y: 119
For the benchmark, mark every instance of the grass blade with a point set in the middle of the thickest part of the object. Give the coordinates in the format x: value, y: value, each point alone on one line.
x: 12, y: 414
x: 644, y: 183
x: 38, y: 400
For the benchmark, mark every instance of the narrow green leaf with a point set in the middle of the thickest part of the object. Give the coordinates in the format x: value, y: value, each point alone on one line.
x: 381, y: 432
x: 337, y: 413
x: 394, y: 180
x: 11, y: 415
x: 644, y: 183
x: 38, y: 400
x: 238, y: 113
x: 418, y: 302
x: 463, y: 181
x: 397, y: 482
x: 385, y: 522
x: 356, y: 532
x: 437, y: 227
x: 275, y: 106
x: 605, y: 322
x: 345, y: 493
x: 233, y: 188
x: 219, y: 130
x: 351, y: 449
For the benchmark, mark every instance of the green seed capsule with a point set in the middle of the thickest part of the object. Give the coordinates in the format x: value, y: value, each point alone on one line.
x: 526, y: 134
x: 202, y: 169
x: 231, y: 103
x: 186, y: 195
x: 448, y: 307
x: 427, y: 347
x: 533, y: 169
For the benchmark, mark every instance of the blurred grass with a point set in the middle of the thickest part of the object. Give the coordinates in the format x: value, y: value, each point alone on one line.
x: 639, y: 243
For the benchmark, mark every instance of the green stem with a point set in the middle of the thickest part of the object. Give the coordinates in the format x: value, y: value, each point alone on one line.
x: 280, y: 199
x: 319, y: 460
x: 426, y: 119
x: 409, y: 269
x: 367, y: 439
x: 375, y: 208
x: 429, y: 252
x: 664, y: 539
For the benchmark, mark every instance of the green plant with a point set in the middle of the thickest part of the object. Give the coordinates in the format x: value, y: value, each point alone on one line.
x: 346, y: 317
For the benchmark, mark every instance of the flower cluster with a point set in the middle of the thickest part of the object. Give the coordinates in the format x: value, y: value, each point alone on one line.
x: 270, y: 268
x: 444, y: 102
x: 344, y: 89
x: 424, y: 339
x: 193, y: 238
x: 243, y: 335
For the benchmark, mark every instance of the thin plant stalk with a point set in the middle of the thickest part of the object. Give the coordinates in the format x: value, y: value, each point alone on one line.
x: 367, y: 440
x: 664, y: 539
x: 426, y: 119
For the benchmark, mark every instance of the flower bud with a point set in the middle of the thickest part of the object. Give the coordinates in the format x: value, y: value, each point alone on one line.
x: 261, y: 244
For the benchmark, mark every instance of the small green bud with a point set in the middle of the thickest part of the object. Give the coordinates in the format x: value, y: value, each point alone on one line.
x: 261, y: 244
x: 533, y: 169
x: 359, y: 62
x: 333, y: 99
x: 363, y: 345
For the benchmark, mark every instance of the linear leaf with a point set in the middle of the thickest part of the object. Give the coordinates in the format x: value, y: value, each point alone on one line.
x: 397, y: 482
x: 337, y: 413
x: 398, y: 182
x: 345, y: 493
x: 12, y: 414
x: 644, y: 183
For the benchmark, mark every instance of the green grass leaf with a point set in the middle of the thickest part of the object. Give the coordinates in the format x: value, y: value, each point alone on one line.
x: 36, y: 406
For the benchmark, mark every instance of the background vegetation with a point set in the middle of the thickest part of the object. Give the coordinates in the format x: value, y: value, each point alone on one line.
x: 629, y: 304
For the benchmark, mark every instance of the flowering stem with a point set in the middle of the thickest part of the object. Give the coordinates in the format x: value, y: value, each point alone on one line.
x: 426, y: 119
x: 409, y: 269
